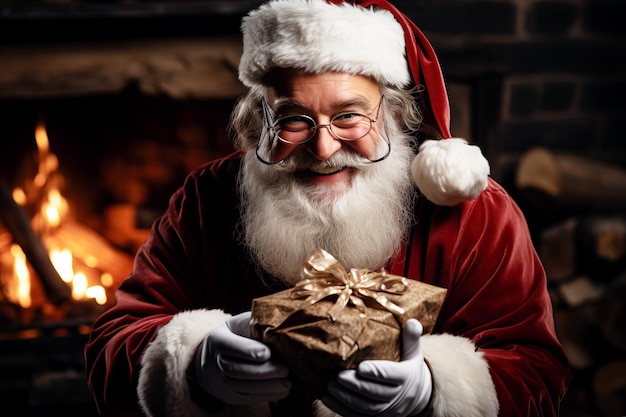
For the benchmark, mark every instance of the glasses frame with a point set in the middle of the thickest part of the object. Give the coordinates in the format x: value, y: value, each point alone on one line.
x: 316, y: 126
x: 269, y: 129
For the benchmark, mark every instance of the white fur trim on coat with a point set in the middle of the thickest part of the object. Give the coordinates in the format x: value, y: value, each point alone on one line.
x: 313, y: 36
x: 462, y: 383
x: 449, y: 171
x: 163, y: 389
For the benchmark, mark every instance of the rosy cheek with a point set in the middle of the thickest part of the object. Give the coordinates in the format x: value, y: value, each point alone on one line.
x: 365, y: 147
x: 282, y: 151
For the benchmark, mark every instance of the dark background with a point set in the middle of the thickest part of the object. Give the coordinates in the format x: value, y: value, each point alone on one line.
x: 522, y: 74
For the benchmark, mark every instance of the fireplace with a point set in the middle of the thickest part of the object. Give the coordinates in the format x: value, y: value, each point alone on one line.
x: 105, y: 106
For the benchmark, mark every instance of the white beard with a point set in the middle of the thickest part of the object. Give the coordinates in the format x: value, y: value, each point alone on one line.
x: 362, y: 224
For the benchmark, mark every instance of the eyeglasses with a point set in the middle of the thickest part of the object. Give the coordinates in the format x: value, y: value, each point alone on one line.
x: 297, y: 129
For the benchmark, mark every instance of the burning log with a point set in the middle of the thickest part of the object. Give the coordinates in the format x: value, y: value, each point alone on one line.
x: 18, y: 224
x: 93, y: 249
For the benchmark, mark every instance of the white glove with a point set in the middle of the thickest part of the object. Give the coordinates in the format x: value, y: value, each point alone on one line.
x: 236, y: 369
x: 385, y: 388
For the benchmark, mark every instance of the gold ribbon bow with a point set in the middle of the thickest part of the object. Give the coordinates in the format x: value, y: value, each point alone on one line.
x: 323, y: 276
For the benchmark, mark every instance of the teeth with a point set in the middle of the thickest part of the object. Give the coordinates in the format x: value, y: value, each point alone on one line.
x: 326, y: 170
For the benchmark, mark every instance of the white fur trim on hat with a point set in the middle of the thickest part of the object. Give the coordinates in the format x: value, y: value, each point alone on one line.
x: 449, y: 171
x: 315, y: 36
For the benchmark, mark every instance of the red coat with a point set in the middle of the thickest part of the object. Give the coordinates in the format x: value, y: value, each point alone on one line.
x: 494, y: 345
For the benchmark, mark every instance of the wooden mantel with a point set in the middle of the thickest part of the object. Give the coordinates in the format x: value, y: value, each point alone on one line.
x: 192, y: 68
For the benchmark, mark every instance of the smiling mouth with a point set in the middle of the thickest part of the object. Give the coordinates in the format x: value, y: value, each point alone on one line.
x: 326, y: 170
x: 324, y: 174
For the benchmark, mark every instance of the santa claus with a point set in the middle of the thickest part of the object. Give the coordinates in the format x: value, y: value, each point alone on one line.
x: 343, y: 144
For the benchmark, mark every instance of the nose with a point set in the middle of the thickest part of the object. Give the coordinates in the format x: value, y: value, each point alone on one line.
x: 324, y: 144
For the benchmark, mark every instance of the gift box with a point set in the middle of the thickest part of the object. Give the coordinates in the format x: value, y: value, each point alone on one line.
x: 333, y: 319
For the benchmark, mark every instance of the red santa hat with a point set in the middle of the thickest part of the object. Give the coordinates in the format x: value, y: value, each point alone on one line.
x: 371, y: 38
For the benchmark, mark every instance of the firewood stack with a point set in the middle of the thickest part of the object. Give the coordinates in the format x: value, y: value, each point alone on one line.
x: 584, y: 254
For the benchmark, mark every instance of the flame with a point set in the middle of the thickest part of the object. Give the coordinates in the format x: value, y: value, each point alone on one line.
x: 97, y: 293
x: 79, y: 286
x: 62, y: 261
x: 53, y: 209
x: 41, y: 137
x: 48, y: 162
x: 106, y: 279
x: 19, y: 195
x: 22, y: 276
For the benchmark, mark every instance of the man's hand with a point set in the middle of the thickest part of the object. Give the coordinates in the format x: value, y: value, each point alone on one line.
x: 236, y: 369
x: 385, y: 388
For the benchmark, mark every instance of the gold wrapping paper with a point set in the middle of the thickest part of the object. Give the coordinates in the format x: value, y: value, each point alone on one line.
x: 333, y: 319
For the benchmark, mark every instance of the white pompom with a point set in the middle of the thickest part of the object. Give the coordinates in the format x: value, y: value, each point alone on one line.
x: 449, y: 171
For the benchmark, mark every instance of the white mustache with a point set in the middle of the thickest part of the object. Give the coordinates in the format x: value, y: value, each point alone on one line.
x: 304, y: 161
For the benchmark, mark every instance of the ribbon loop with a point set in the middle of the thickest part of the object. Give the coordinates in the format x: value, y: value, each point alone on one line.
x: 323, y: 276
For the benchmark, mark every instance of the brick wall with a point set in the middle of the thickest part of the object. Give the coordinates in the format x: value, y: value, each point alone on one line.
x: 543, y: 72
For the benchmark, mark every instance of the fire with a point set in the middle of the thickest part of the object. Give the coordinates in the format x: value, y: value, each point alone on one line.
x: 22, y: 276
x: 54, y: 208
x: 82, y: 275
x: 62, y: 261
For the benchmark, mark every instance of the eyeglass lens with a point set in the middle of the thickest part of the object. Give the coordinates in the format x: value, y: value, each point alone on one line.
x: 297, y: 129
x: 344, y: 126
